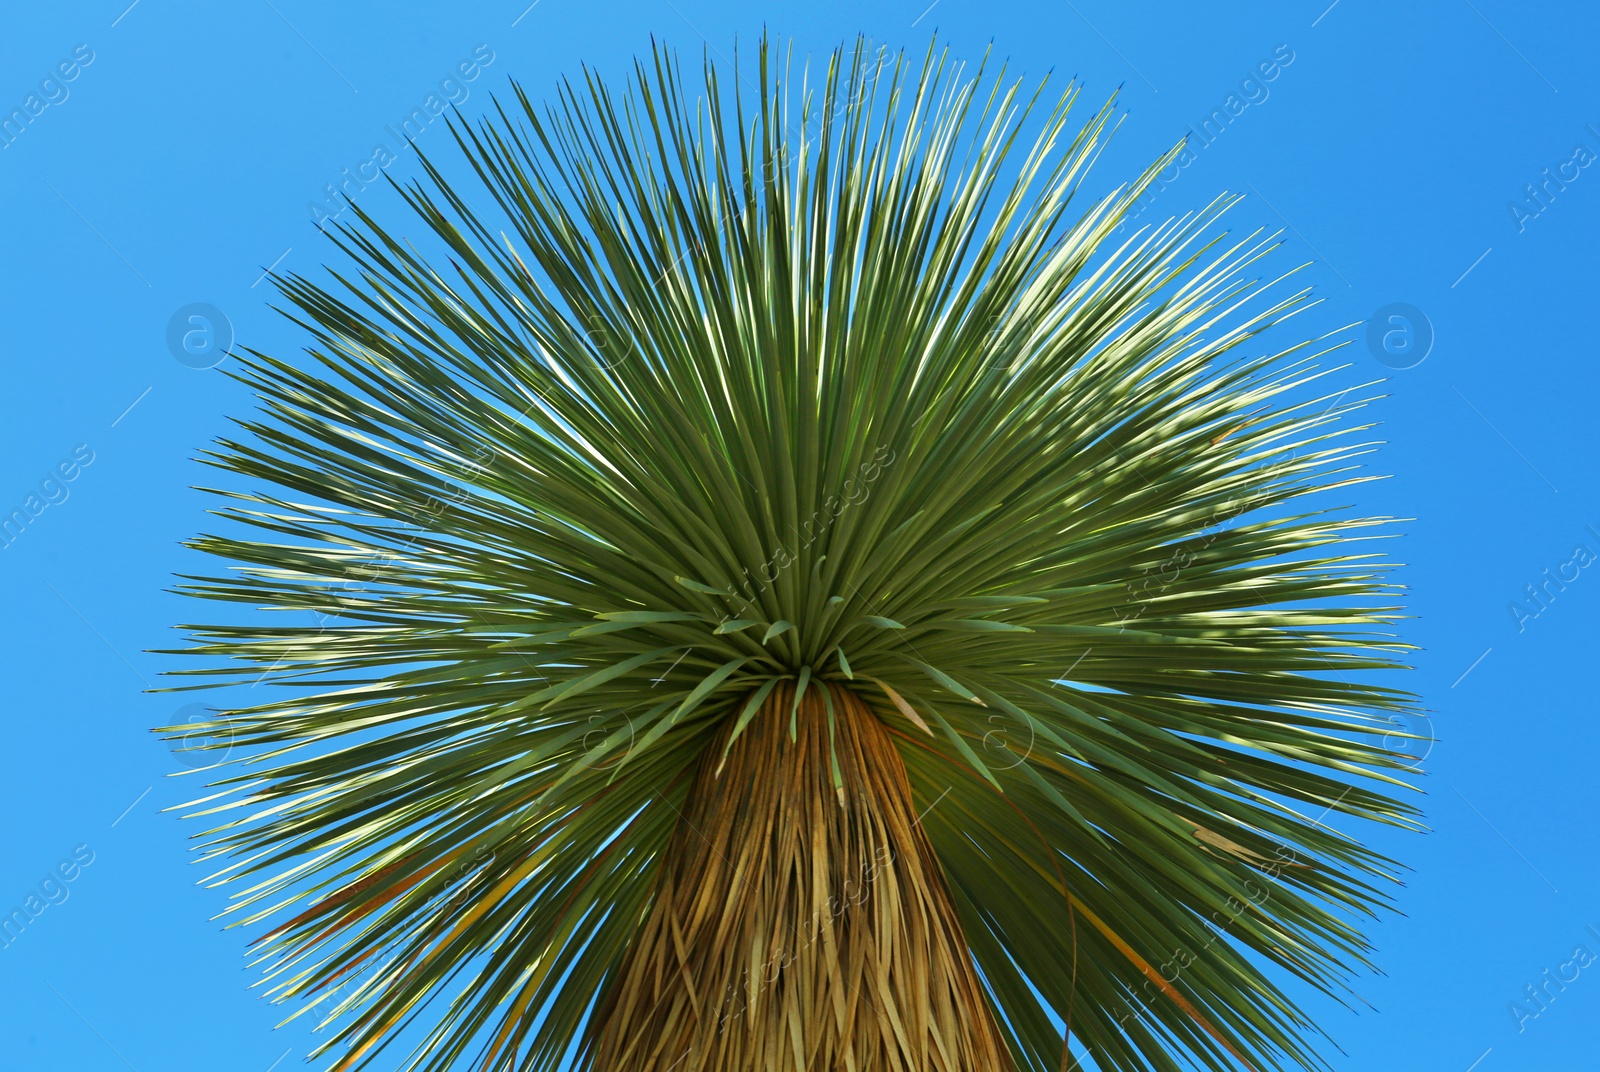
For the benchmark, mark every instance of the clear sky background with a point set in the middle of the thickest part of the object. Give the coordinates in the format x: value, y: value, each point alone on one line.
x: 193, y: 145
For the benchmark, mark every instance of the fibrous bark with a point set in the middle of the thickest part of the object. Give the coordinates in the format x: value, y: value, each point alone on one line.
x: 798, y: 924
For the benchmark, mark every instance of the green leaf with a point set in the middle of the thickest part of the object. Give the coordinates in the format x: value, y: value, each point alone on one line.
x: 573, y: 686
x: 982, y: 625
x: 945, y: 680
x: 751, y: 706
x: 645, y: 616
x: 696, y: 697
x: 794, y: 706
x: 701, y: 586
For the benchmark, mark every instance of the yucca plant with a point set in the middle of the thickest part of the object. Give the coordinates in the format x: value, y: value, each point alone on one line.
x: 791, y: 592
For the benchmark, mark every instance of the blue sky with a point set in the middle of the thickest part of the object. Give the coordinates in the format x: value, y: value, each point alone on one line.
x: 1433, y: 162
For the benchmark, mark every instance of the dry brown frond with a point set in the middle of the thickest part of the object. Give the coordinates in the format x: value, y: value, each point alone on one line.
x: 798, y: 928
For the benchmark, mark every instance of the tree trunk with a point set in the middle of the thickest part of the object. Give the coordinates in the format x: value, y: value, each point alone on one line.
x: 796, y: 926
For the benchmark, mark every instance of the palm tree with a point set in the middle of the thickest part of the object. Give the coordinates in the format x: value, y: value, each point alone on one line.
x: 791, y: 593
